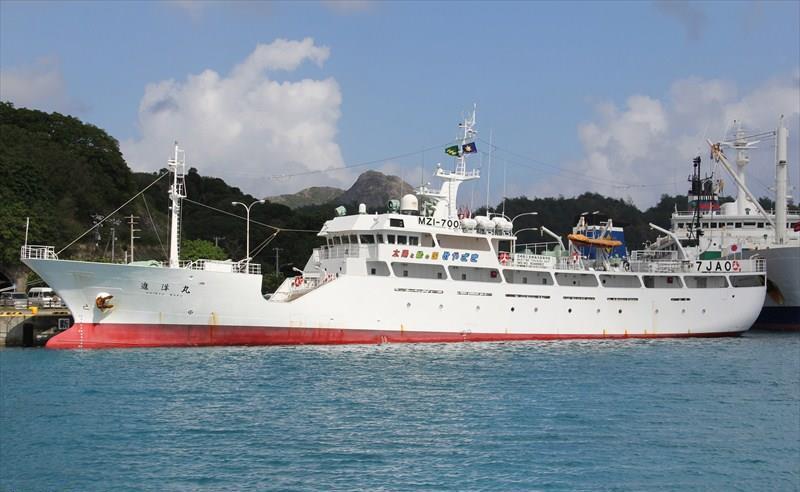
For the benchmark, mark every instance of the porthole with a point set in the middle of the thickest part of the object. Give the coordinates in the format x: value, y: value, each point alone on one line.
x: 408, y: 305
x: 441, y: 306
x: 512, y: 309
x: 704, y: 311
x: 656, y: 311
x: 569, y: 310
x: 598, y: 310
x: 477, y: 308
x: 535, y: 310
x: 620, y: 311
x: 683, y: 311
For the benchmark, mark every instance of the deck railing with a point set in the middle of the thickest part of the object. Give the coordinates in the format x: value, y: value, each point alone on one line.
x: 346, y: 251
x: 222, y: 266
x: 35, y: 252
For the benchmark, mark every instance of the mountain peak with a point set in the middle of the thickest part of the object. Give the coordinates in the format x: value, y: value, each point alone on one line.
x: 372, y: 188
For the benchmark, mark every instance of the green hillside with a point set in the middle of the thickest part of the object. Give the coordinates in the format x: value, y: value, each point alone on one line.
x: 63, y: 174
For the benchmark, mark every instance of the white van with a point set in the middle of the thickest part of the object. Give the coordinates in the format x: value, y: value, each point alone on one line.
x: 41, y: 296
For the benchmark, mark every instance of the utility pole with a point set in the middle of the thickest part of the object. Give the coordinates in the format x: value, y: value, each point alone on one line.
x: 216, y: 240
x: 113, y: 241
x: 97, y: 218
x: 132, y: 221
x: 114, y: 224
x: 277, y: 263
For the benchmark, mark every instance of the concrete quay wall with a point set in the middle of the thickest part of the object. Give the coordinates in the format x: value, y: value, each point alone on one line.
x: 23, y: 328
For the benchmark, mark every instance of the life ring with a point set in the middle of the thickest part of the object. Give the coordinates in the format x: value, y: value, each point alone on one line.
x: 626, y: 265
x: 575, y: 257
x: 735, y: 266
x: 298, y: 281
x: 504, y: 258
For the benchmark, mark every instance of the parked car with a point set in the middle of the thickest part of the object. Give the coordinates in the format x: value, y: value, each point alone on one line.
x: 41, y: 296
x: 17, y: 300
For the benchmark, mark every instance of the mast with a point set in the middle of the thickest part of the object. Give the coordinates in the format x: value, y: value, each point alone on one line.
x: 781, y: 171
x: 177, y: 192
x: 718, y: 155
x: 741, y: 145
x: 445, y: 199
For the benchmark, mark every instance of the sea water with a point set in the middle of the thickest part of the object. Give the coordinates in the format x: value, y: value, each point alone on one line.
x: 714, y: 414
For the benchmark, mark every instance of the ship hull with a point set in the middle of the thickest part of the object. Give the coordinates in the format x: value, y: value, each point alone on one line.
x: 782, y: 304
x: 101, y: 336
x: 153, y: 307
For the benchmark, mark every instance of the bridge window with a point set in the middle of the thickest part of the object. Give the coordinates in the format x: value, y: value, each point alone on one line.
x: 396, y: 223
x: 390, y: 238
x: 402, y: 239
x: 367, y: 239
x: 427, y: 241
x: 413, y: 241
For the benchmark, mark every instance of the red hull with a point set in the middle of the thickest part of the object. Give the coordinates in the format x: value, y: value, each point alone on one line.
x: 92, y: 336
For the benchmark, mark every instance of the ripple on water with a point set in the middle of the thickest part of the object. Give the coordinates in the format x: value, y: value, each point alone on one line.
x: 631, y: 414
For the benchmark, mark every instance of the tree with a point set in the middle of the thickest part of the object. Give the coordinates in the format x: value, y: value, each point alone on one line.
x: 196, y: 249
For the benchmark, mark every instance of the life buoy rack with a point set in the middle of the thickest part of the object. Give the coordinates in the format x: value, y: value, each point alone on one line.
x: 735, y: 266
x: 298, y: 281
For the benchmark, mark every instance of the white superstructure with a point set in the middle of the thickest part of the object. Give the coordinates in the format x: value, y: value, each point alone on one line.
x: 418, y: 273
x: 743, y: 229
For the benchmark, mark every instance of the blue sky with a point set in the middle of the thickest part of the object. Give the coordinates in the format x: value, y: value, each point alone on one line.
x: 584, y: 94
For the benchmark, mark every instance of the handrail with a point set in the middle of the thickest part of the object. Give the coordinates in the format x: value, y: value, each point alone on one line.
x: 37, y: 252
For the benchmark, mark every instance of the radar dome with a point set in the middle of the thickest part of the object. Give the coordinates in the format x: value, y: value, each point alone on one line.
x: 409, y: 204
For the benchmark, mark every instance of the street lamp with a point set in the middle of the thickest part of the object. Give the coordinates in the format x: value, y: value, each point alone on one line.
x: 522, y: 230
x: 520, y: 215
x: 247, y: 207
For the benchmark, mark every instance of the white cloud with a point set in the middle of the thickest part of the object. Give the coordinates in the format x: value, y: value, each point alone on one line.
x: 40, y: 86
x: 246, y: 127
x: 651, y: 142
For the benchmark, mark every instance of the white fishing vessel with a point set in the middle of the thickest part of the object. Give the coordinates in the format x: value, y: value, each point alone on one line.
x: 418, y: 273
x: 743, y: 229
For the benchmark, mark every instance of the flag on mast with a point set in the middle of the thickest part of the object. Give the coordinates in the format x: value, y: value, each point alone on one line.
x: 452, y: 150
x: 469, y: 148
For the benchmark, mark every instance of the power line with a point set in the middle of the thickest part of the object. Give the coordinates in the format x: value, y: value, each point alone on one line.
x: 351, y: 166
x: 575, y: 174
x: 280, y: 229
x: 112, y: 213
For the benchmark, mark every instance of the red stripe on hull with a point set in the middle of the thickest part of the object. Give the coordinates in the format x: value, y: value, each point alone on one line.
x: 94, y: 336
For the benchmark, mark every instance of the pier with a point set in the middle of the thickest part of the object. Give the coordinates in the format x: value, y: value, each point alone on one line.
x: 31, y: 327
